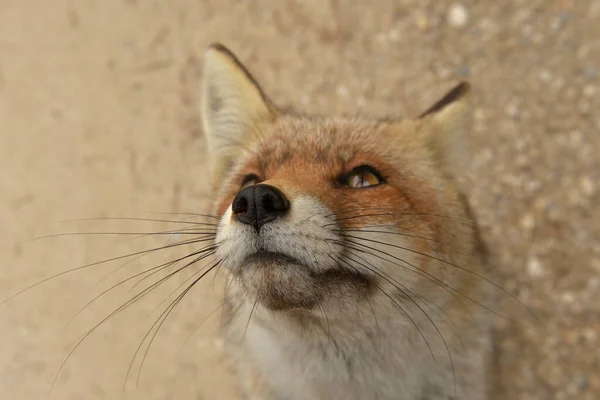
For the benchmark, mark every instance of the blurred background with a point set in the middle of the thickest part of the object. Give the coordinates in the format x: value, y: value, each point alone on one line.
x: 99, y: 118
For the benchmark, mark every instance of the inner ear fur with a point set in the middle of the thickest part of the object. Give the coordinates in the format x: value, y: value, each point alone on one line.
x: 234, y: 109
x: 447, y: 125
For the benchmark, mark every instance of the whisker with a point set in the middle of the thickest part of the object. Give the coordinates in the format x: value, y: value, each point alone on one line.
x: 404, y: 311
x: 452, y: 265
x: 155, y: 268
x: 191, y: 214
x: 137, y: 234
x: 126, y: 263
x: 415, y: 236
x: 243, y: 339
x: 171, y: 274
x: 209, y: 250
x: 139, y: 219
x: 186, y: 230
x: 100, y: 263
x: 186, y: 281
x: 197, y: 328
x: 483, y: 259
x: 217, y: 271
x: 441, y: 315
x: 442, y: 284
x: 466, y: 221
x: 89, y: 332
x: 416, y: 270
x: 168, y: 312
x: 388, y: 211
x: 425, y: 302
x: 118, y: 268
x: 377, y: 326
x: 408, y: 316
x: 392, y: 281
x: 227, y: 286
x: 327, y: 326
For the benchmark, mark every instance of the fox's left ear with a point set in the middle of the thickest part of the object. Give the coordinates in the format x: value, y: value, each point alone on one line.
x: 234, y: 109
x: 446, y: 125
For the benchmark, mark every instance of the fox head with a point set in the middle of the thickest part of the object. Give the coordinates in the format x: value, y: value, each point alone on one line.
x: 331, y: 212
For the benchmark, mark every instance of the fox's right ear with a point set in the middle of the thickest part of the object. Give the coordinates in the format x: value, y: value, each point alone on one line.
x: 233, y: 110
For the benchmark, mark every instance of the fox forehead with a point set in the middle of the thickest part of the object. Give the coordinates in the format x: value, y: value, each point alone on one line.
x: 337, y: 143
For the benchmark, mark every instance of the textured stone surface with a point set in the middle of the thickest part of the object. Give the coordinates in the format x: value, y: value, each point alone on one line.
x: 99, y: 118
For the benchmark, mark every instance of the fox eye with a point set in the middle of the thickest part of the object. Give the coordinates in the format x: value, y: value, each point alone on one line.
x: 362, y: 177
x: 249, y: 180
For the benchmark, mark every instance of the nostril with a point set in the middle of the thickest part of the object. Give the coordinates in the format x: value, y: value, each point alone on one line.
x: 268, y: 203
x: 240, y: 205
x: 274, y: 202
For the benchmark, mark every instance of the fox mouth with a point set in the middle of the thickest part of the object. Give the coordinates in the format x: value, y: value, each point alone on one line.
x: 281, y: 282
x: 264, y: 256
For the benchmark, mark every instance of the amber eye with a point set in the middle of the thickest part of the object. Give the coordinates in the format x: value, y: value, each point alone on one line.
x: 362, y: 177
x: 250, y: 180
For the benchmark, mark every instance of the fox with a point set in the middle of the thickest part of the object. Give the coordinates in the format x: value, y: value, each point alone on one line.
x: 352, y: 256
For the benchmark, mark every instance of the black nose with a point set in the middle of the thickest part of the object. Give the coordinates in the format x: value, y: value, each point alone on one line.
x: 259, y: 204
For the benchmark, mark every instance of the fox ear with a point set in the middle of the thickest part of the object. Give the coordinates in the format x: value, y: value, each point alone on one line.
x: 447, y: 124
x: 233, y: 109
